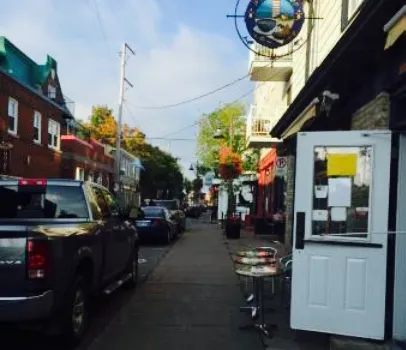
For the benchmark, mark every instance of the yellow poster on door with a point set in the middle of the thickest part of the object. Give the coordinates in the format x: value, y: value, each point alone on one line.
x: 342, y: 164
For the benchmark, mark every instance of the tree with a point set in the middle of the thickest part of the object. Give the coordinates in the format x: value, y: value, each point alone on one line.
x: 250, y: 159
x: 224, y: 118
x: 187, y: 185
x: 197, y: 185
x: 162, y: 172
x: 103, y: 127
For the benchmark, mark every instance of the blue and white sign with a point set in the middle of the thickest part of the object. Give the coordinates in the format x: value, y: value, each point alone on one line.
x: 274, y: 23
x: 208, y: 179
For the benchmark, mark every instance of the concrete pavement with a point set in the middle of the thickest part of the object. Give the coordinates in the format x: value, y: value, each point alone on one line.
x: 191, y: 301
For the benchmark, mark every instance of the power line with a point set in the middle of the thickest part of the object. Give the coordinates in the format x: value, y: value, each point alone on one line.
x: 169, y: 139
x: 193, y: 99
x: 226, y: 105
x: 199, y: 97
x: 102, y: 28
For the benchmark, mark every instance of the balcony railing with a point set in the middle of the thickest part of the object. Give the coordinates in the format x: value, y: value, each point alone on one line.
x: 69, y: 104
x: 260, y: 127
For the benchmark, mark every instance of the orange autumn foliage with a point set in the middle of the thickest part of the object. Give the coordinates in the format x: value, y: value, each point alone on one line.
x: 230, y: 163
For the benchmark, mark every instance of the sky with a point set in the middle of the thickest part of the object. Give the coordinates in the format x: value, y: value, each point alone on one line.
x: 183, y: 49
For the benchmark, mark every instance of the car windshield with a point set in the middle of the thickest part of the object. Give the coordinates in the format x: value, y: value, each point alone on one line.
x: 53, y: 202
x: 153, y: 212
x: 170, y: 205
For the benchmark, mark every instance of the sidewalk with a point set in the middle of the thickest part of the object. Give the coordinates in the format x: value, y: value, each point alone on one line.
x: 191, y: 301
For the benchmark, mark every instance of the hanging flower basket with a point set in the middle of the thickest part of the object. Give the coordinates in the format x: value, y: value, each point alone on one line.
x: 230, y: 164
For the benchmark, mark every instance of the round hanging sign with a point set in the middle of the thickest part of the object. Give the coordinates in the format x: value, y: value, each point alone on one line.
x: 274, y: 23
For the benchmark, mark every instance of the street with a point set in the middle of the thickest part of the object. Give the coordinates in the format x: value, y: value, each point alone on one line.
x: 105, y: 309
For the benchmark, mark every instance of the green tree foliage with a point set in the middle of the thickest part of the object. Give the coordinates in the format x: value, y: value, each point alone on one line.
x: 250, y: 159
x: 197, y: 185
x: 231, y: 121
x: 162, y: 172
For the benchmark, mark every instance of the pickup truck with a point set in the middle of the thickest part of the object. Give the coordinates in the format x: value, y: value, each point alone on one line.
x: 61, y: 243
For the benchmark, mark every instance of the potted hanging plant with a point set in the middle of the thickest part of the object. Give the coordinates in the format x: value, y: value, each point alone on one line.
x: 230, y: 167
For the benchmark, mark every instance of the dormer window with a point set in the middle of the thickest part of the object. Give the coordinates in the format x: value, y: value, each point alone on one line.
x: 51, y: 91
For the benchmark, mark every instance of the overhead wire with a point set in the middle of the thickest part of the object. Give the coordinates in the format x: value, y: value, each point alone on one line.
x: 226, y: 105
x: 100, y: 22
x: 193, y: 99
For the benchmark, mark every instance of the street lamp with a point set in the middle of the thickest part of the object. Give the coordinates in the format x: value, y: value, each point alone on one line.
x: 218, y: 134
x: 191, y: 168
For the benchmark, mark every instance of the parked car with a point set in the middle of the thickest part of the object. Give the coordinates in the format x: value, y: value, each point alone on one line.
x: 193, y: 211
x: 178, y: 214
x: 61, y: 242
x: 156, y: 224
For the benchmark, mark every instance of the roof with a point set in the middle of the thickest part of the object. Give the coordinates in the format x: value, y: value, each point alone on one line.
x: 18, y: 66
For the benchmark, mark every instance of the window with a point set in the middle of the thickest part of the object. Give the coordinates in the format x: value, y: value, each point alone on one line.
x: 289, y: 96
x: 12, y: 115
x: 101, y: 202
x: 111, y: 202
x: 53, y: 202
x: 100, y: 179
x: 153, y: 212
x: 51, y: 91
x: 349, y: 9
x: 90, y: 177
x: 80, y: 174
x: 342, y: 185
x: 353, y: 6
x: 37, y: 127
x: 53, y: 134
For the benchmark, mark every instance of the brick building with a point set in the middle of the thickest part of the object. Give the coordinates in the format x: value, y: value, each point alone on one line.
x: 86, y: 160
x: 33, y: 115
x: 37, y: 126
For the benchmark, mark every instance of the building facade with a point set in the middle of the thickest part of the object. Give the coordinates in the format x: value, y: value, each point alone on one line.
x: 38, y: 133
x: 87, y: 159
x: 130, y: 173
x: 33, y: 115
x: 343, y: 134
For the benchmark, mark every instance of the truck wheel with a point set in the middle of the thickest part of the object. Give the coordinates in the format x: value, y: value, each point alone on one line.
x: 76, y: 314
x: 133, y: 270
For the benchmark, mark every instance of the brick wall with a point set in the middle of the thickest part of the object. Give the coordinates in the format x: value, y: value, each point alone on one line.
x: 374, y: 115
x: 290, y: 198
x: 88, y: 155
x: 27, y: 158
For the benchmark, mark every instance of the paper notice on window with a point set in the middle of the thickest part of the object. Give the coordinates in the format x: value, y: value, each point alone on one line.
x: 339, y: 192
x: 338, y: 214
x: 320, y: 215
x: 342, y: 164
x: 320, y: 191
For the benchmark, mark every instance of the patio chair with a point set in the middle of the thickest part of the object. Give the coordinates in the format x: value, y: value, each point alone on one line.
x: 286, y: 278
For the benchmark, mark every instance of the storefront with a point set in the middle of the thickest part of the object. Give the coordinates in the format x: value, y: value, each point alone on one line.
x: 348, y: 189
x: 266, y: 170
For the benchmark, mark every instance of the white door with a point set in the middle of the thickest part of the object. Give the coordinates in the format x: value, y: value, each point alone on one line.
x: 340, y: 241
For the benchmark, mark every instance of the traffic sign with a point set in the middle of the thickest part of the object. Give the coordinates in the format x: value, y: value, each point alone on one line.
x: 281, y: 166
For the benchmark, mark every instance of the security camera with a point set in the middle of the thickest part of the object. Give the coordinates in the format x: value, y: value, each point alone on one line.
x: 331, y: 95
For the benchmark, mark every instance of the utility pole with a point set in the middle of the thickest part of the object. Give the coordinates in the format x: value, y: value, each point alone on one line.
x: 123, y: 81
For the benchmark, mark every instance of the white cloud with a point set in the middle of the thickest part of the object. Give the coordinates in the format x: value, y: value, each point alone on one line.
x: 169, y: 66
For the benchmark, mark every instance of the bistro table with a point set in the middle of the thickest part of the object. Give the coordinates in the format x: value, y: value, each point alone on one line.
x: 258, y: 269
x: 261, y: 252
